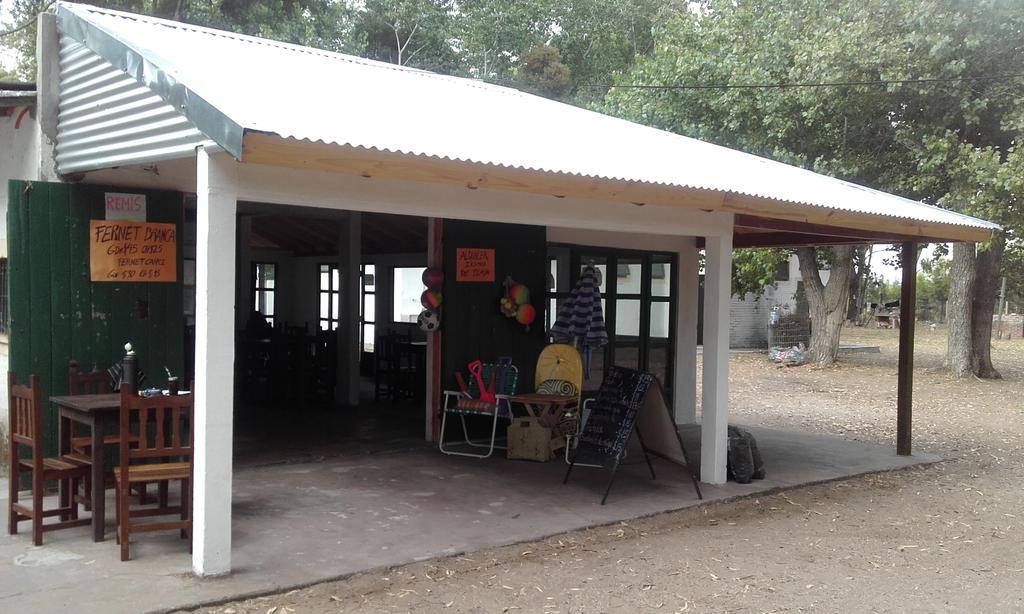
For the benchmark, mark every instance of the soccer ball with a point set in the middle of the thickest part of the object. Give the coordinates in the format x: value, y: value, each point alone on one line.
x: 429, y: 321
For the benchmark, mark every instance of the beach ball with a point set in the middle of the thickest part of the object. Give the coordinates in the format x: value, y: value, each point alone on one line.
x: 431, y: 300
x: 433, y: 277
x: 526, y: 314
x: 519, y: 293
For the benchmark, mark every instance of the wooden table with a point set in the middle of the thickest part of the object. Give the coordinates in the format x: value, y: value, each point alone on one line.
x: 547, y: 408
x: 98, y: 411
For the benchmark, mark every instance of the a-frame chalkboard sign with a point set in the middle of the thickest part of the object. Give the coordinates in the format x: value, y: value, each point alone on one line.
x: 615, y: 416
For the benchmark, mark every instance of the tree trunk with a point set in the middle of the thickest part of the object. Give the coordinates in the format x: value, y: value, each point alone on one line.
x: 958, y: 309
x: 986, y: 286
x: 827, y: 302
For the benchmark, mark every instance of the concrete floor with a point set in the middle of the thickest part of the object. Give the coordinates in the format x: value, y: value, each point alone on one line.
x: 303, y: 522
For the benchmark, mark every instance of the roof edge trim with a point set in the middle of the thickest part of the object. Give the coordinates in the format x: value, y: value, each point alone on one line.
x: 271, y: 149
x: 209, y: 120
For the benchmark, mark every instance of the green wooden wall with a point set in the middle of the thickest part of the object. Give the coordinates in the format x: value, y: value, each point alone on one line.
x: 57, y: 314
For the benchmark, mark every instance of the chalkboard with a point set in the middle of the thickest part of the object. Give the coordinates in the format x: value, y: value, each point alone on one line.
x: 613, y: 415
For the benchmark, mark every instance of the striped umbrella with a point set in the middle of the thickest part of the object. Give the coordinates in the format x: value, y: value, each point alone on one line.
x: 580, y: 320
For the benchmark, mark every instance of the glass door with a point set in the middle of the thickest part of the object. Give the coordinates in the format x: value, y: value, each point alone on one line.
x: 660, y: 335
x: 638, y: 299
x: 628, y: 320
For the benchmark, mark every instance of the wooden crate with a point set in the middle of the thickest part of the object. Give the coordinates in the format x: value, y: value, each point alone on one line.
x: 529, y: 440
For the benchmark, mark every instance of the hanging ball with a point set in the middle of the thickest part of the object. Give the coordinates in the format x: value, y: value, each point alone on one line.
x: 431, y: 300
x: 526, y: 314
x: 433, y: 277
x: 507, y: 307
x: 429, y: 321
x: 519, y: 293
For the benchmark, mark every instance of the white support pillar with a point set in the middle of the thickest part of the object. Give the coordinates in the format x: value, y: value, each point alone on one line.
x: 216, y: 191
x: 688, y: 283
x: 346, y: 390
x: 715, y: 403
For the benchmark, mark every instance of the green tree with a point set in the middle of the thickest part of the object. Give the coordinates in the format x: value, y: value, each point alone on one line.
x: 599, y: 39
x: 940, y: 63
x: 410, y: 32
x: 325, y: 24
x: 755, y: 269
x: 542, y: 72
x: 495, y: 34
x: 933, y: 288
x: 19, y: 34
x: 596, y: 39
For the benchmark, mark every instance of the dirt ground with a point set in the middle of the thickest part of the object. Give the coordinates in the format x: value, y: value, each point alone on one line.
x: 947, y: 537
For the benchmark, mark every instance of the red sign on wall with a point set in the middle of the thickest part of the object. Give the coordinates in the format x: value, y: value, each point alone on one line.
x: 474, y: 264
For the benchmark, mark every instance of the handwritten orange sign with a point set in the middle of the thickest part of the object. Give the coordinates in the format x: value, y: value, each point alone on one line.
x: 132, y: 251
x: 474, y: 264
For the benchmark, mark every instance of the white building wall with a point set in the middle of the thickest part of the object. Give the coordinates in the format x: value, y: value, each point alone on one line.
x: 748, y: 322
x: 19, y: 159
x: 19, y: 155
x: 748, y: 316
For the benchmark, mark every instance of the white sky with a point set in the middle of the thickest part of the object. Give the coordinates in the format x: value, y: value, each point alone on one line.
x: 892, y: 273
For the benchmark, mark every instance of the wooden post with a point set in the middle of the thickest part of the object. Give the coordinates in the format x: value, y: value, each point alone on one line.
x: 346, y: 388
x: 905, y: 377
x: 435, y: 253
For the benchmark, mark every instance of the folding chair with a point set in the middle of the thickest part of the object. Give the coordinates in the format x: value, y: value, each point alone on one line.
x: 468, y: 403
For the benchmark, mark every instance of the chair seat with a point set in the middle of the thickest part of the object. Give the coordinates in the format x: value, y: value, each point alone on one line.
x: 155, y: 472
x: 81, y: 443
x: 474, y: 406
x: 60, y: 464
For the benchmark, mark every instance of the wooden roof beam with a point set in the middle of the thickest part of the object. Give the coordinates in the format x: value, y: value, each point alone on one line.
x: 269, y: 149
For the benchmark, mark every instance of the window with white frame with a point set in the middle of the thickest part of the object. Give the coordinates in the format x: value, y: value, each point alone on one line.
x: 264, y: 286
x: 368, y: 306
x: 330, y: 296
x: 407, y: 288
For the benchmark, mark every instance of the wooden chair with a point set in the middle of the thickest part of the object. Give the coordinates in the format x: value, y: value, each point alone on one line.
x: 26, y: 427
x: 96, y: 381
x: 384, y: 378
x: 91, y: 382
x: 164, y: 428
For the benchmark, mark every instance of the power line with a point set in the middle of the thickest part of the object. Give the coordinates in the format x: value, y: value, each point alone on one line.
x: 736, y: 86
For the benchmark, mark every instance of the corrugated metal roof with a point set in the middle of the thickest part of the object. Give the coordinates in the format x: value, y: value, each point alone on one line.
x: 106, y: 118
x: 221, y: 82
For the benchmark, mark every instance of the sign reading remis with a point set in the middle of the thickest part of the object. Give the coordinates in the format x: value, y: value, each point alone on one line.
x: 120, y: 206
x: 132, y: 251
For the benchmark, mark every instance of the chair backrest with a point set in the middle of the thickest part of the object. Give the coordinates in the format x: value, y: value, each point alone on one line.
x: 87, y: 382
x: 559, y: 364
x: 383, y: 348
x: 25, y: 413
x: 509, y: 387
x: 163, y: 425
